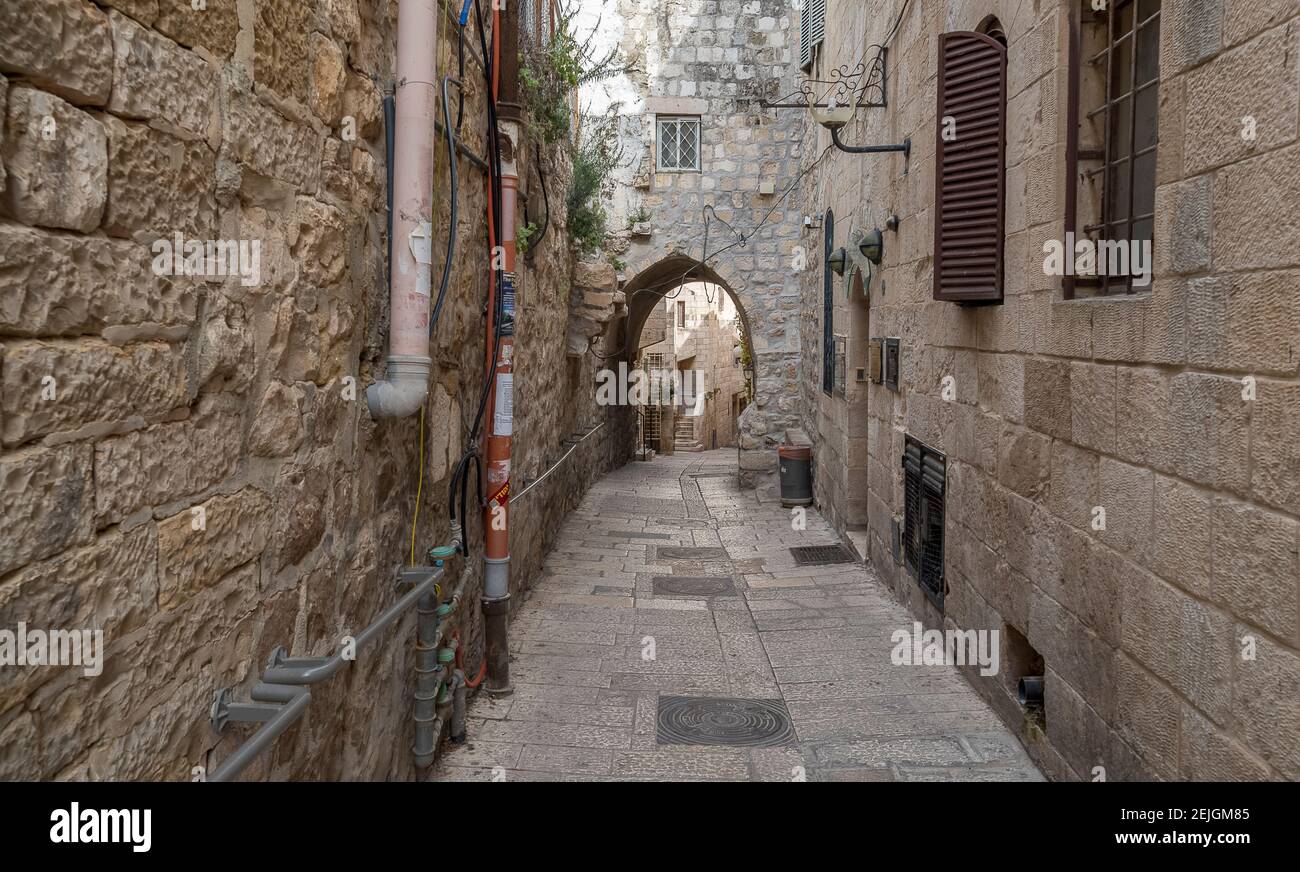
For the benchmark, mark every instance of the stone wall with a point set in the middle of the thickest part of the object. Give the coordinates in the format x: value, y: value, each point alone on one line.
x: 715, y: 59
x: 187, y: 462
x: 706, y: 347
x: 1171, y: 637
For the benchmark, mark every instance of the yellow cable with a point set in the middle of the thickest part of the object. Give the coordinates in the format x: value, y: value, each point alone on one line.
x: 419, y: 490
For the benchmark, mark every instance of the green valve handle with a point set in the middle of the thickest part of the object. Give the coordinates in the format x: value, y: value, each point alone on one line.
x: 446, y: 655
x: 442, y: 551
x: 444, y: 610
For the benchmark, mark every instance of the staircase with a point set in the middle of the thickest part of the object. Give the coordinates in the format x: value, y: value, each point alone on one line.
x: 684, y: 436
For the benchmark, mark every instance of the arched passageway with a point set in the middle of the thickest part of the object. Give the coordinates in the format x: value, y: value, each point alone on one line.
x: 669, y: 276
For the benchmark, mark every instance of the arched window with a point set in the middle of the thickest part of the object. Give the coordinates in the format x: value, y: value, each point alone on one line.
x: 990, y: 26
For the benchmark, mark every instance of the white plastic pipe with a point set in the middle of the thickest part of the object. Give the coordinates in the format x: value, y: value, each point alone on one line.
x: 403, y: 390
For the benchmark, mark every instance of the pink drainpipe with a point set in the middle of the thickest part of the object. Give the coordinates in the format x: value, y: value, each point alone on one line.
x: 404, y: 389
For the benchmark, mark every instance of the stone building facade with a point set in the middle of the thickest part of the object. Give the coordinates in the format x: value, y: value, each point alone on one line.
x: 1122, y: 489
x: 703, y: 343
x: 187, y: 463
x: 707, y: 65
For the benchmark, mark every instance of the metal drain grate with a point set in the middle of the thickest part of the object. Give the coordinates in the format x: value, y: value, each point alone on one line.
x: 679, y: 552
x: 627, y: 534
x: 711, y: 720
x: 694, y: 585
x: 821, y: 555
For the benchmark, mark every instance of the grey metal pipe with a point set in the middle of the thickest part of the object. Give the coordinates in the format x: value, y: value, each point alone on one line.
x: 459, y: 692
x: 313, y: 671
x: 284, y: 684
x: 295, y: 699
x: 1030, y: 690
x: 428, y: 680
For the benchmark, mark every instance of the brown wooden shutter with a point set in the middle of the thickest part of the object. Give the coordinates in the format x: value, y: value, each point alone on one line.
x: 970, y: 176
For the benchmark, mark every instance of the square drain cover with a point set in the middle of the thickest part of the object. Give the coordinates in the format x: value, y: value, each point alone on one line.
x: 712, y: 720
x: 680, y: 552
x: 694, y: 585
x: 821, y: 555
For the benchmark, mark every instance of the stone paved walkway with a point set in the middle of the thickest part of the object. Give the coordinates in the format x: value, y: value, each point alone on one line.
x: 817, y: 638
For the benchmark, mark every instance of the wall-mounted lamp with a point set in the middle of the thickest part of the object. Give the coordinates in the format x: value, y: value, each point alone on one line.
x: 872, y: 246
x: 833, y: 117
x: 839, y: 257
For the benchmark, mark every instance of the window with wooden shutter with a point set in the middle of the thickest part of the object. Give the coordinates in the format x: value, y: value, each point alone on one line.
x: 812, y: 30
x: 970, y: 173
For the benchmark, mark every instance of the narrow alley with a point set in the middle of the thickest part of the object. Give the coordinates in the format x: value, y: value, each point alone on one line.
x: 670, y: 582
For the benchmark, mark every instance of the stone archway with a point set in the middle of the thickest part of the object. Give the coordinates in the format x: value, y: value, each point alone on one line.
x: 762, y: 424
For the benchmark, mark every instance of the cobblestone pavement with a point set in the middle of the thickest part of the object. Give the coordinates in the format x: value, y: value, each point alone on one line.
x: 816, y: 639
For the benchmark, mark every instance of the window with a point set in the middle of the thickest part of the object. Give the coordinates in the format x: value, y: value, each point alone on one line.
x: 681, y: 313
x: 1114, y: 97
x: 812, y: 30
x: 970, y: 168
x: 924, y: 483
x: 679, y: 144
x: 828, y: 305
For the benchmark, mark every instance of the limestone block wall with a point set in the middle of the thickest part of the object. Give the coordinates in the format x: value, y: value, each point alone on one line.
x: 1171, y: 638
x: 186, y: 461
x: 706, y: 346
x: 714, y: 59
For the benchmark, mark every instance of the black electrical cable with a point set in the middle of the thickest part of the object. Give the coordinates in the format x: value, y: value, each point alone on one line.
x: 460, y: 479
x: 453, y: 200
x: 495, y: 230
x: 546, y: 202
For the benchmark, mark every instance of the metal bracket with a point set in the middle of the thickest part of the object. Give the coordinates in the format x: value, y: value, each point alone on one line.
x: 861, y: 85
x: 226, y: 711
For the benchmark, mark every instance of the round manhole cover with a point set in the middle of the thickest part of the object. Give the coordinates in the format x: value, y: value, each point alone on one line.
x: 695, y: 720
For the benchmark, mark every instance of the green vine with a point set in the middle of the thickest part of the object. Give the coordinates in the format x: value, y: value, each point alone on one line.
x: 551, y: 73
x: 523, y: 234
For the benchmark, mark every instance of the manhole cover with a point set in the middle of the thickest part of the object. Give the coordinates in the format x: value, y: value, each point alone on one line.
x: 710, y: 720
x: 694, y: 585
x: 677, y: 552
x: 821, y: 555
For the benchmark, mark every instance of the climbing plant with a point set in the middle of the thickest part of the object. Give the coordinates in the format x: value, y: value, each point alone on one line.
x: 551, y: 72
x: 595, y: 157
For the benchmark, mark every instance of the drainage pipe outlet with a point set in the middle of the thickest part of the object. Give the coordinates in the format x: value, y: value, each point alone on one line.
x: 406, y: 386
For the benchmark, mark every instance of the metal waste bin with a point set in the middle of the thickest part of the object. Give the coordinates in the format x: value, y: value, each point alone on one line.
x: 796, y: 475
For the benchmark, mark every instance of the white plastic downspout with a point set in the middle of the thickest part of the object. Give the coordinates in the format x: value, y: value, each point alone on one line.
x: 406, y: 385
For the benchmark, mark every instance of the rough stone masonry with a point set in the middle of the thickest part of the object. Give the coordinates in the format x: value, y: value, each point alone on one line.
x: 185, y: 463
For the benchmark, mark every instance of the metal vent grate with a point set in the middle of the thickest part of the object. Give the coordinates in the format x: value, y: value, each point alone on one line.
x: 706, y: 720
x: 821, y: 555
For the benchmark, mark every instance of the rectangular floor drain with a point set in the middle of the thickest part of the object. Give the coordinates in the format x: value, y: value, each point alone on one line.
x: 694, y: 585
x: 821, y: 555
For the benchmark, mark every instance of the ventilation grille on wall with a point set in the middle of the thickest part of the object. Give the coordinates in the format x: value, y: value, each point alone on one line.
x: 891, y: 363
x: 924, y: 484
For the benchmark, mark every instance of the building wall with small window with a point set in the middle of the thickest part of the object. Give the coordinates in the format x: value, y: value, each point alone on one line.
x: 1093, y: 292
x: 704, y: 163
